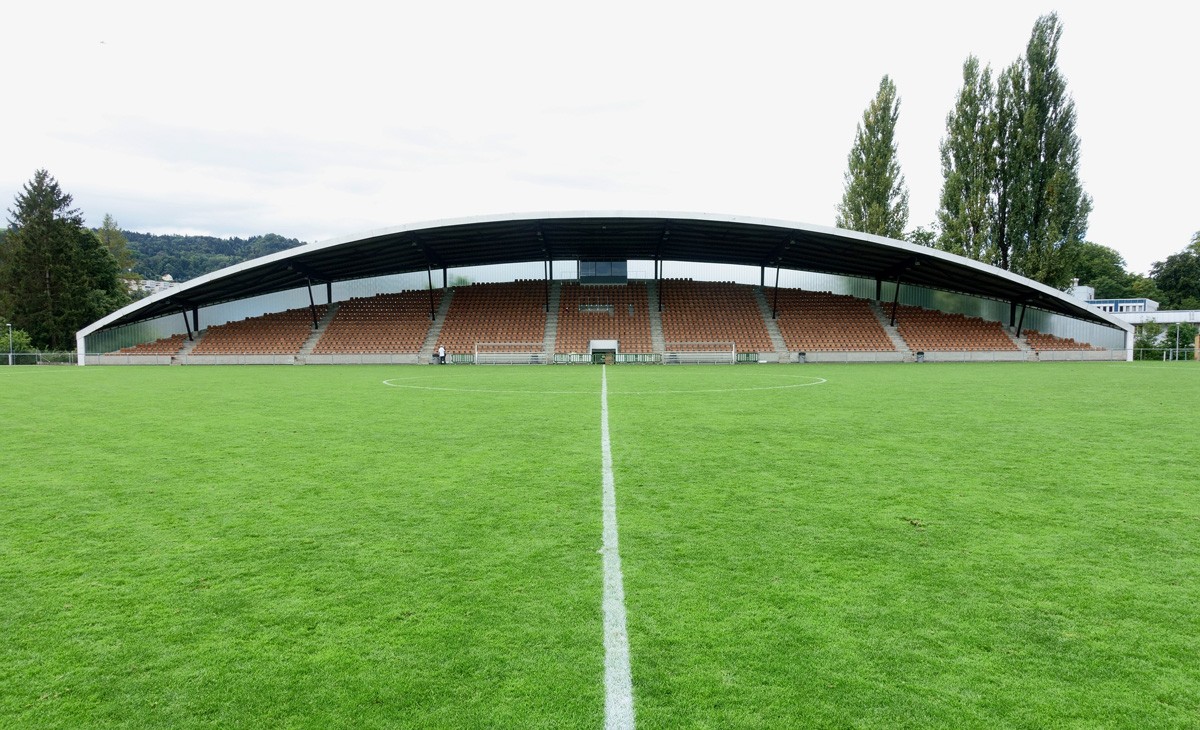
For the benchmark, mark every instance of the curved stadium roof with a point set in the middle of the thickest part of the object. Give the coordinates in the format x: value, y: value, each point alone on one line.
x: 607, y: 235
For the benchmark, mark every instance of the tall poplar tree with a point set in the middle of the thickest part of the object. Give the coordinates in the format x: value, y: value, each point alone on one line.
x: 875, y: 197
x: 1017, y: 141
x: 57, y: 275
x: 967, y: 210
x: 1048, y: 208
x: 1010, y: 100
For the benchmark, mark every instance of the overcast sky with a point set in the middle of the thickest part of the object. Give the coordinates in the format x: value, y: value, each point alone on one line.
x: 245, y: 118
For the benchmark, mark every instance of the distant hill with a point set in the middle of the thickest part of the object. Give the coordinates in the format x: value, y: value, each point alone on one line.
x: 186, y: 257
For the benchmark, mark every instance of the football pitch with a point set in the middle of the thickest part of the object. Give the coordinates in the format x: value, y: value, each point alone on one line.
x: 878, y: 546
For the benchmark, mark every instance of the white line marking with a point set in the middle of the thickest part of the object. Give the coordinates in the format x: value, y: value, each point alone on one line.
x: 618, y: 679
x: 812, y: 381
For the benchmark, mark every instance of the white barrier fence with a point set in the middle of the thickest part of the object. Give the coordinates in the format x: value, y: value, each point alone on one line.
x: 510, y: 353
x: 712, y: 353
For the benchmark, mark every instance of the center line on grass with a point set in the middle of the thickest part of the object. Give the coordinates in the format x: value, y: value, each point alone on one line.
x: 618, y: 679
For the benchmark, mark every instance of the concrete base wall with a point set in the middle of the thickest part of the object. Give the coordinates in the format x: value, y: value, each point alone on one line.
x: 1081, y: 355
x: 809, y: 357
x: 849, y: 357
x: 392, y: 359
x: 127, y: 360
x: 977, y: 356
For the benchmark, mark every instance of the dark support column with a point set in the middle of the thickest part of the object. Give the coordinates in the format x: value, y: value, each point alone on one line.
x: 879, y: 290
x: 1012, y: 314
x: 196, y: 318
x: 1021, y: 321
x: 432, y: 309
x: 762, y: 276
x: 896, y: 301
x: 775, y: 303
x: 657, y: 273
x: 445, y: 278
x: 187, y: 324
x: 329, y: 292
x: 312, y: 304
x: 546, y: 273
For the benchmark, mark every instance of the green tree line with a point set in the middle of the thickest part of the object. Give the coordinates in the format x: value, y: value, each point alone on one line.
x: 186, y: 257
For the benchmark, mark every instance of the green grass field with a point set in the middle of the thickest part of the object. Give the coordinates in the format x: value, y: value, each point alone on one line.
x: 899, y: 546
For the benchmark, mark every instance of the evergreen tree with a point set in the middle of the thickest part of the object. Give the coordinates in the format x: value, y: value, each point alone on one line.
x: 57, y: 275
x: 1046, y: 209
x: 967, y: 210
x: 114, y: 240
x: 875, y: 197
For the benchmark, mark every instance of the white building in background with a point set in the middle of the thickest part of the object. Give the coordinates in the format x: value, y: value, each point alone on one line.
x: 1116, y: 306
x: 153, y: 286
x: 1134, y: 310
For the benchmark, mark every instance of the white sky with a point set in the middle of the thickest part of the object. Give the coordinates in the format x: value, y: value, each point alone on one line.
x: 241, y: 118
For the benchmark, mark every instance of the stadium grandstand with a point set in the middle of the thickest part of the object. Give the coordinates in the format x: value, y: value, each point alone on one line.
x: 606, y: 287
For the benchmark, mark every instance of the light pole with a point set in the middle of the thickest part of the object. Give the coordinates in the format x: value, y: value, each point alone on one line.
x: 9, y: 325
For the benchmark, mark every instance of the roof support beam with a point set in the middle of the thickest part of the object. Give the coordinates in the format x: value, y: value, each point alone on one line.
x: 658, y: 248
x: 431, y: 258
x: 780, y: 248
x: 775, y: 303
x: 432, y: 311
x: 307, y: 272
x: 661, y: 286
x: 547, y: 249
x: 184, y: 305
x: 895, y: 271
x: 312, y: 304
x: 896, y: 301
x: 186, y: 324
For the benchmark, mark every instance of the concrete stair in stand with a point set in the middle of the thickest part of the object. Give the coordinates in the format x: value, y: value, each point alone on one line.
x: 892, y: 332
x: 551, y: 335
x: 1021, y: 343
x: 657, y: 343
x: 188, y: 346
x: 425, y: 355
x: 772, y: 324
x: 311, y: 343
